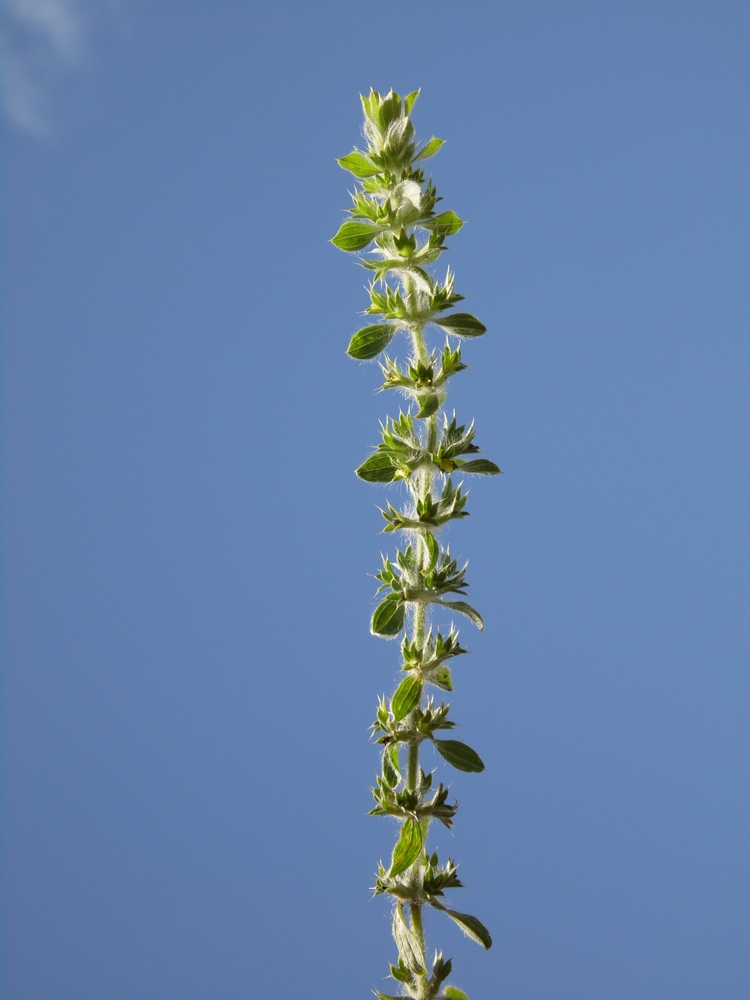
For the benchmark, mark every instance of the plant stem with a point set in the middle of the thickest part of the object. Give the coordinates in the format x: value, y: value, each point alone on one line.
x: 419, y: 346
x: 418, y: 931
x: 412, y: 775
x: 432, y: 431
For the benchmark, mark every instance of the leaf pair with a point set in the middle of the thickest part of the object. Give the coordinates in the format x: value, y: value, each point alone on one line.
x: 389, y: 617
x: 370, y: 341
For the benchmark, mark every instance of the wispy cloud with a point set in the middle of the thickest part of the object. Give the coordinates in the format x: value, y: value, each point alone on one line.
x: 46, y: 46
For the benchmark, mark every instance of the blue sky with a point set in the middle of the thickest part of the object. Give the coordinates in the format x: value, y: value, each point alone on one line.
x: 189, y: 676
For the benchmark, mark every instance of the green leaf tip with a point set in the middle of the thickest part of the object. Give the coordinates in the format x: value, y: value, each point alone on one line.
x: 461, y: 756
x: 358, y: 165
x: 447, y: 224
x: 472, y: 927
x: 465, y: 609
x: 411, y: 100
x: 462, y: 325
x: 353, y: 236
x: 378, y: 468
x: 429, y: 149
x: 408, y: 847
x: 388, y: 618
x: 478, y: 466
x: 406, y: 697
x: 451, y: 993
x: 368, y: 342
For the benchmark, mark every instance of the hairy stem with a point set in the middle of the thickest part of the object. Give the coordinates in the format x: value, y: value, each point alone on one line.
x: 418, y: 932
x: 418, y: 634
x: 412, y: 776
x: 420, y: 350
x: 432, y: 432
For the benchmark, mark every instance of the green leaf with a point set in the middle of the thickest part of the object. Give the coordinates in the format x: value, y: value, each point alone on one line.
x: 371, y: 340
x: 388, y: 618
x: 447, y: 223
x: 433, y: 549
x: 474, y: 928
x: 390, y: 775
x: 355, y: 235
x: 410, y: 100
x: 408, y: 847
x: 401, y: 974
x: 358, y: 165
x: 392, y: 754
x: 378, y: 468
x: 452, y: 993
x: 465, y: 609
x: 386, y: 996
x: 428, y: 404
x: 406, y: 697
x: 407, y: 944
x: 479, y: 466
x: 462, y: 325
x: 390, y: 109
x: 429, y: 149
x: 460, y: 755
x: 442, y: 678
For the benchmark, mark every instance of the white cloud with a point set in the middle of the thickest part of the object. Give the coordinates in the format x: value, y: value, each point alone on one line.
x: 45, y: 48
